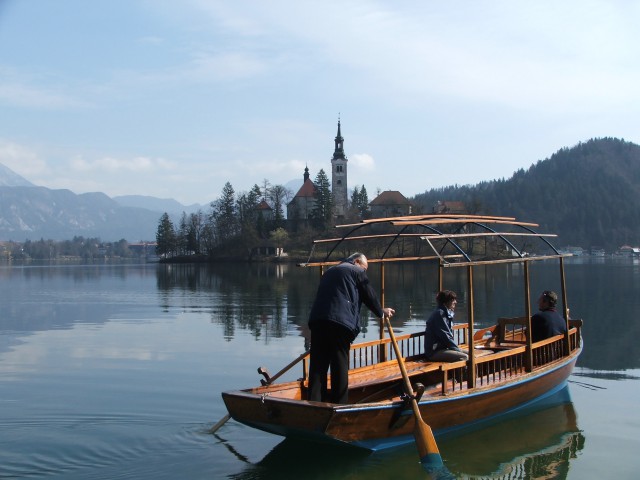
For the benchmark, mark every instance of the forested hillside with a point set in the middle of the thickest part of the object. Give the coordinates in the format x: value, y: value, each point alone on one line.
x: 588, y: 194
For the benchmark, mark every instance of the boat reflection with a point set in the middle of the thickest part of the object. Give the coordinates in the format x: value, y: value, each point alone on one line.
x: 534, y: 444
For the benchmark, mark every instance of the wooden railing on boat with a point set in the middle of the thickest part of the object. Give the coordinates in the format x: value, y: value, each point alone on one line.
x: 411, y: 345
x: 500, y: 355
x: 508, y: 359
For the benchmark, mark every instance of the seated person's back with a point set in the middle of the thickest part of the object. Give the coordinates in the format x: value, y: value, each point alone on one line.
x: 547, y: 322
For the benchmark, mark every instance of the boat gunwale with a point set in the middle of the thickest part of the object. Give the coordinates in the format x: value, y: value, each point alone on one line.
x: 263, y: 391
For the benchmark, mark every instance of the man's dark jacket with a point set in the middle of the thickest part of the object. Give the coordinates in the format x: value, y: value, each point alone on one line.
x: 546, y: 324
x: 342, y: 291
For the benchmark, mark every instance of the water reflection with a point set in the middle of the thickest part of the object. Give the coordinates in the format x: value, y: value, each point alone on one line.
x: 56, y: 297
x: 272, y: 300
x: 538, y: 444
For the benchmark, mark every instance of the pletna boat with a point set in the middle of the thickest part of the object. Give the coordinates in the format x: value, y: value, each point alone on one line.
x: 392, y: 388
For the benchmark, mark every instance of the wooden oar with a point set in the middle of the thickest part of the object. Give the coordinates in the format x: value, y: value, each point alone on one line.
x: 425, y: 441
x: 267, y: 381
x: 221, y: 422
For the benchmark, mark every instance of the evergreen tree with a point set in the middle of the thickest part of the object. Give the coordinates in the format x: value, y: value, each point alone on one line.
x: 360, y: 201
x: 247, y: 208
x: 322, y: 210
x: 181, y: 238
x: 224, y: 214
x: 165, y: 237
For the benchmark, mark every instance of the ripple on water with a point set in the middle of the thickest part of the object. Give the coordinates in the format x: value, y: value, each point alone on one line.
x: 90, y: 445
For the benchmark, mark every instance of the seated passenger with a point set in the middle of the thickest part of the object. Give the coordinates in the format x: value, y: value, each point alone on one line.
x: 547, y: 322
x: 439, y: 345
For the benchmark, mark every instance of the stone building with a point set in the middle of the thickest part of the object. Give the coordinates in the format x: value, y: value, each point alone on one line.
x: 265, y: 210
x: 301, y: 206
x: 390, y: 203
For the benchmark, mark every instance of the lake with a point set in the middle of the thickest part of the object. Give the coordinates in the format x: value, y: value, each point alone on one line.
x: 115, y: 371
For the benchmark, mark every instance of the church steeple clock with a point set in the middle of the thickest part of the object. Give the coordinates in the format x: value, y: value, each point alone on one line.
x: 339, y: 177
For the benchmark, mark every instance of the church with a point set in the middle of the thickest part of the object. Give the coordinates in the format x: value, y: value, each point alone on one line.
x: 301, y: 206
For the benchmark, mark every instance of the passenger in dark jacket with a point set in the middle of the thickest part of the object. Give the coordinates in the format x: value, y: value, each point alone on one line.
x: 439, y: 345
x: 547, y: 322
x: 334, y: 324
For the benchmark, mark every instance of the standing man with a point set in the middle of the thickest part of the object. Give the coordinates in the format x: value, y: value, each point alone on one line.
x: 334, y: 324
x: 547, y: 322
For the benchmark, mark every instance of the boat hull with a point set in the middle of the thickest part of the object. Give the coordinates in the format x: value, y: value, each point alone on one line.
x: 386, y: 424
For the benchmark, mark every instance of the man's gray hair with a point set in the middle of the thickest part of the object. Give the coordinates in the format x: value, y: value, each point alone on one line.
x: 355, y: 256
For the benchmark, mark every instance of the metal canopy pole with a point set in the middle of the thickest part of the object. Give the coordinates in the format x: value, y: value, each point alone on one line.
x: 527, y: 302
x: 471, y: 382
x: 565, y: 308
x: 383, y: 349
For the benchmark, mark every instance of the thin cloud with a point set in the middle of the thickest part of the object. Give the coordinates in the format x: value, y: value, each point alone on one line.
x: 23, y: 95
x: 114, y: 165
x: 22, y: 160
x: 541, y: 58
x: 363, y: 161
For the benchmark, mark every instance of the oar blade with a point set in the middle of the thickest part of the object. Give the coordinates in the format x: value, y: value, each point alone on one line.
x: 221, y: 422
x: 426, y: 444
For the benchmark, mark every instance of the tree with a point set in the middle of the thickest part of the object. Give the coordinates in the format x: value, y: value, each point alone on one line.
x: 121, y: 248
x: 279, y: 236
x: 181, y: 237
x: 322, y: 210
x: 278, y: 195
x: 247, y: 208
x: 360, y: 201
x: 165, y: 237
x: 194, y: 232
x: 224, y: 214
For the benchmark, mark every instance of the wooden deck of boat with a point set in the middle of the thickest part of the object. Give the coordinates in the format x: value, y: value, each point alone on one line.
x: 388, y: 373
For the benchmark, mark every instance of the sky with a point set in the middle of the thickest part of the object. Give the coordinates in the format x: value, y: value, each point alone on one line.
x: 173, y: 99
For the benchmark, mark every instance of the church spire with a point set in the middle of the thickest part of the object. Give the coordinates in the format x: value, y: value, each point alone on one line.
x: 339, y: 176
x: 339, y: 141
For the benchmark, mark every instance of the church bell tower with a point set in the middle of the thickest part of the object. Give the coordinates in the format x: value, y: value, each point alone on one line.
x: 339, y: 177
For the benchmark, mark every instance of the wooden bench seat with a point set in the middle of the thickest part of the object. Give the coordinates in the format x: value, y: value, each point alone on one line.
x: 390, y: 371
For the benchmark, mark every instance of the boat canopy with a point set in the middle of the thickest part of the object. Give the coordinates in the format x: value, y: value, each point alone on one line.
x: 453, y: 240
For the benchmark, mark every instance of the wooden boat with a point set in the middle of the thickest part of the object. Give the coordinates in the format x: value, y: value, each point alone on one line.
x: 535, y: 444
x: 505, y: 371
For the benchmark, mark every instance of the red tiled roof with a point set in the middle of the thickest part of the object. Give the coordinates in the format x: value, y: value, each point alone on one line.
x: 307, y: 189
x: 390, y: 197
x: 263, y: 206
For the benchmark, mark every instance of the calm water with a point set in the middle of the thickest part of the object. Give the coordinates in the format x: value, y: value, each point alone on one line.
x: 115, y: 371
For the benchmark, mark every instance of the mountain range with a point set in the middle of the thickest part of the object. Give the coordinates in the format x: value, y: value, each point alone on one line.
x: 588, y: 194
x: 31, y: 212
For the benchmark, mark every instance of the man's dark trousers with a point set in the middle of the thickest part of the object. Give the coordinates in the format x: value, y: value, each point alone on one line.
x: 330, y: 343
